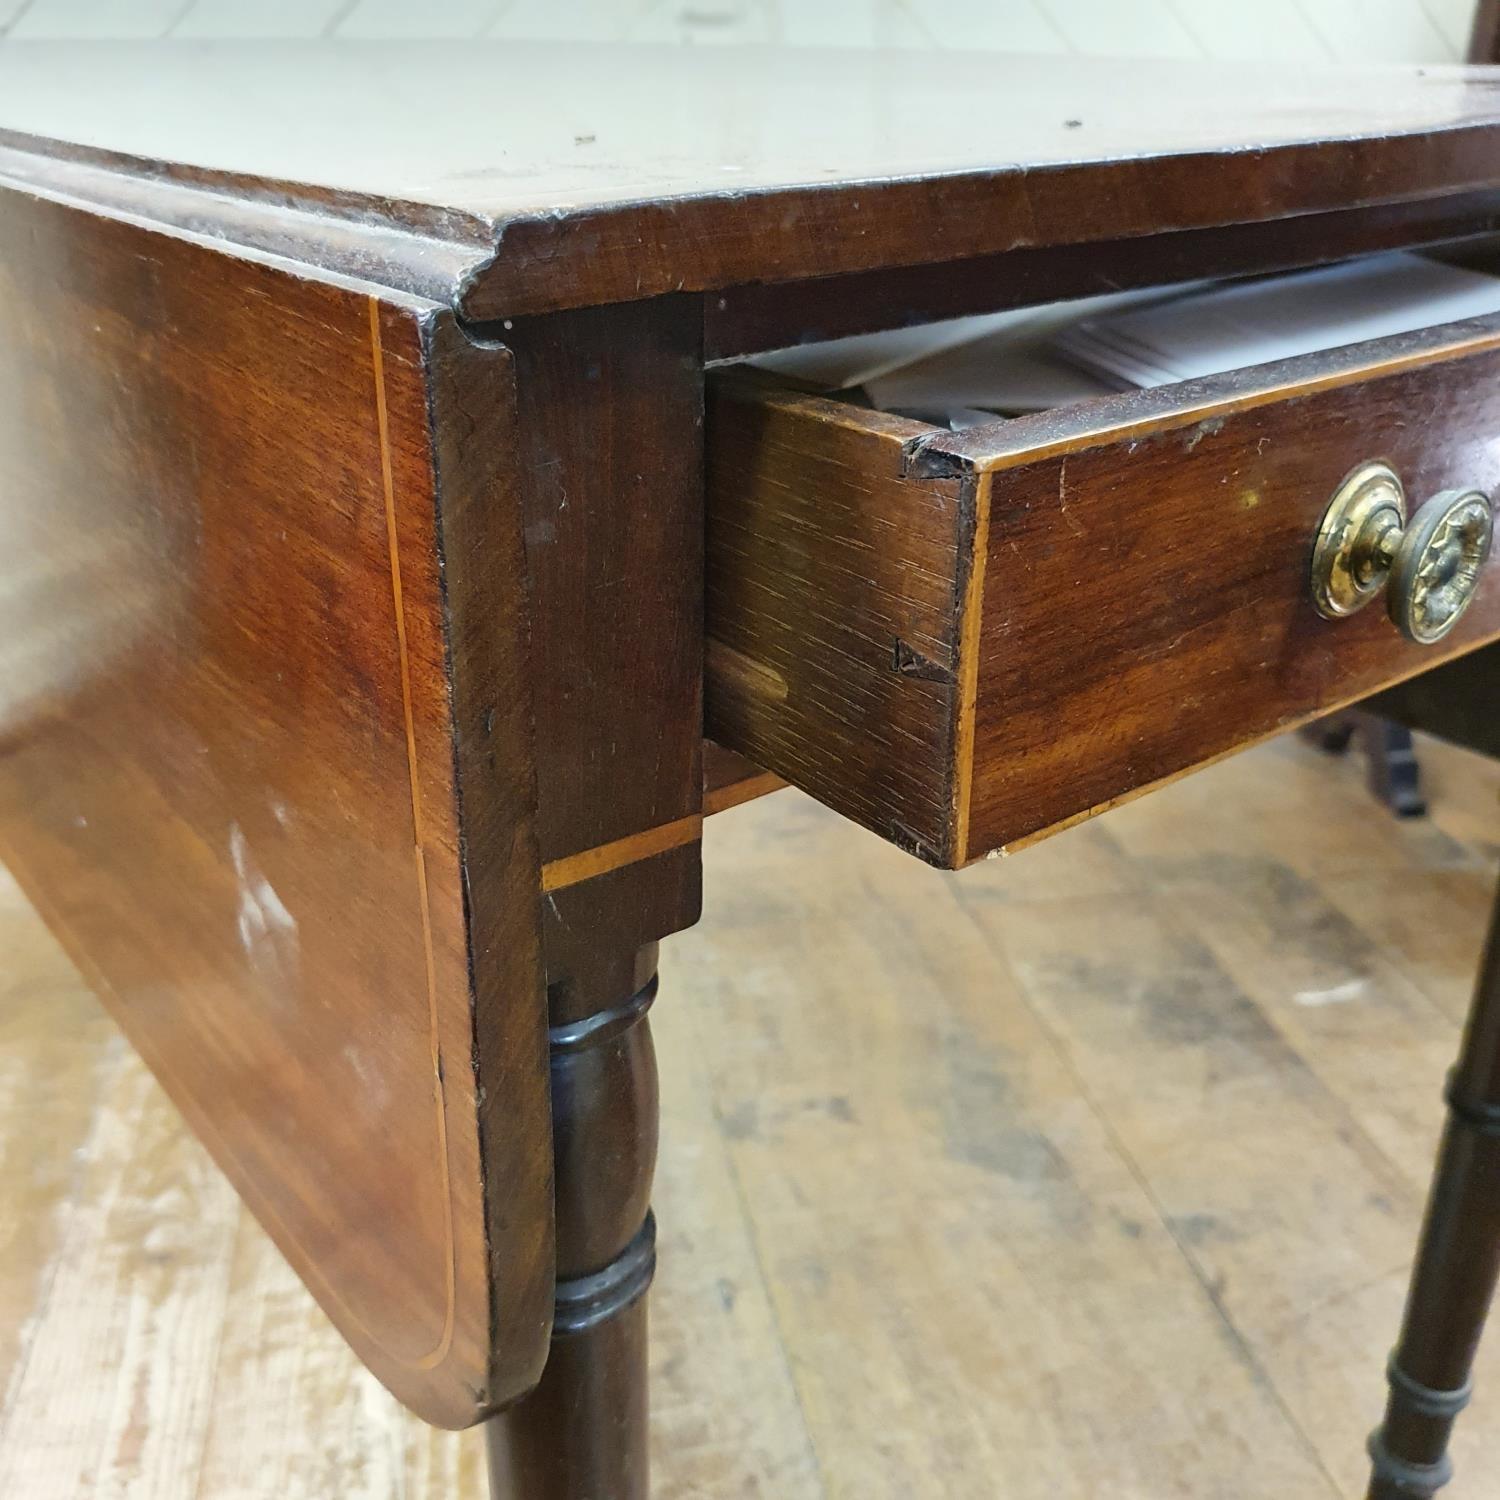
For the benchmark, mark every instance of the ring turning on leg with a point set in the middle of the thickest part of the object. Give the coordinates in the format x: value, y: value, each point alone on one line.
x: 581, y: 1435
x: 1457, y: 1266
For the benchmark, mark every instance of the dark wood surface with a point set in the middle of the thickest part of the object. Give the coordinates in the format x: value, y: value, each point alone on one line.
x: 1150, y: 570
x: 765, y: 315
x: 965, y: 640
x: 553, y: 177
x: 233, y: 688
x: 611, y: 413
x: 828, y: 573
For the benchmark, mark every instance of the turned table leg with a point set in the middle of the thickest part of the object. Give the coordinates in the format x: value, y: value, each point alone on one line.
x: 1457, y: 1265
x: 581, y: 1435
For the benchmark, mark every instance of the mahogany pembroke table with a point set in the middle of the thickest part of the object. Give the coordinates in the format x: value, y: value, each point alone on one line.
x: 383, y: 525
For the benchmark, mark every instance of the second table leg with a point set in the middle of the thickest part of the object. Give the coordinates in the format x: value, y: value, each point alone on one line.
x: 1457, y: 1265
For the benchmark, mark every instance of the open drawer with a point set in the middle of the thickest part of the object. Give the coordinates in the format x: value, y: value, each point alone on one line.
x: 966, y: 640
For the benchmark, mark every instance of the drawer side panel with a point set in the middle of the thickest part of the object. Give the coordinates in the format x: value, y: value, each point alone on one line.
x: 833, y: 599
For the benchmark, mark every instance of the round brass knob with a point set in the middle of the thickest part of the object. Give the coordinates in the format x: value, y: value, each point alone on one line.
x: 1432, y: 566
x: 1349, y: 561
x: 1435, y: 572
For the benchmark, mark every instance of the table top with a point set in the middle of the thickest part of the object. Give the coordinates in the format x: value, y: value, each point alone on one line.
x: 582, y: 173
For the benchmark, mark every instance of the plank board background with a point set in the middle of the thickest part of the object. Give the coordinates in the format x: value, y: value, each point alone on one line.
x: 1286, y: 30
x: 1094, y: 1171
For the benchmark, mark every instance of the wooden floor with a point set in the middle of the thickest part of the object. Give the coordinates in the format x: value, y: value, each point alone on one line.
x: 1090, y: 1173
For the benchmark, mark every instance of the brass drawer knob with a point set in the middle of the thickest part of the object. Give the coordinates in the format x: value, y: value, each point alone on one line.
x: 1430, y: 569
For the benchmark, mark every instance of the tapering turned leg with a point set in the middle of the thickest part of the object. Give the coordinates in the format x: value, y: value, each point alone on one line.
x: 581, y: 1435
x: 1457, y: 1265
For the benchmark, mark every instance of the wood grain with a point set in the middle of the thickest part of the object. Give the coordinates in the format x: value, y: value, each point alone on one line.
x: 1116, y: 592
x: 833, y: 576
x: 610, y: 470
x: 1157, y: 574
x: 773, y: 314
x: 837, y: 992
x: 269, y: 776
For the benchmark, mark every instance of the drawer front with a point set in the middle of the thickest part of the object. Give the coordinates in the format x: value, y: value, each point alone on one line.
x: 966, y: 641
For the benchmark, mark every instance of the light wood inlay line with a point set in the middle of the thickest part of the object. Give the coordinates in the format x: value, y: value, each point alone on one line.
x: 721, y: 799
x: 573, y: 868
x: 968, y: 665
x: 586, y: 864
x: 439, y: 1351
x: 1165, y: 410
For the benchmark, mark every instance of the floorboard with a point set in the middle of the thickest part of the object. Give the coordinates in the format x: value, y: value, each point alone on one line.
x: 1092, y: 1171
